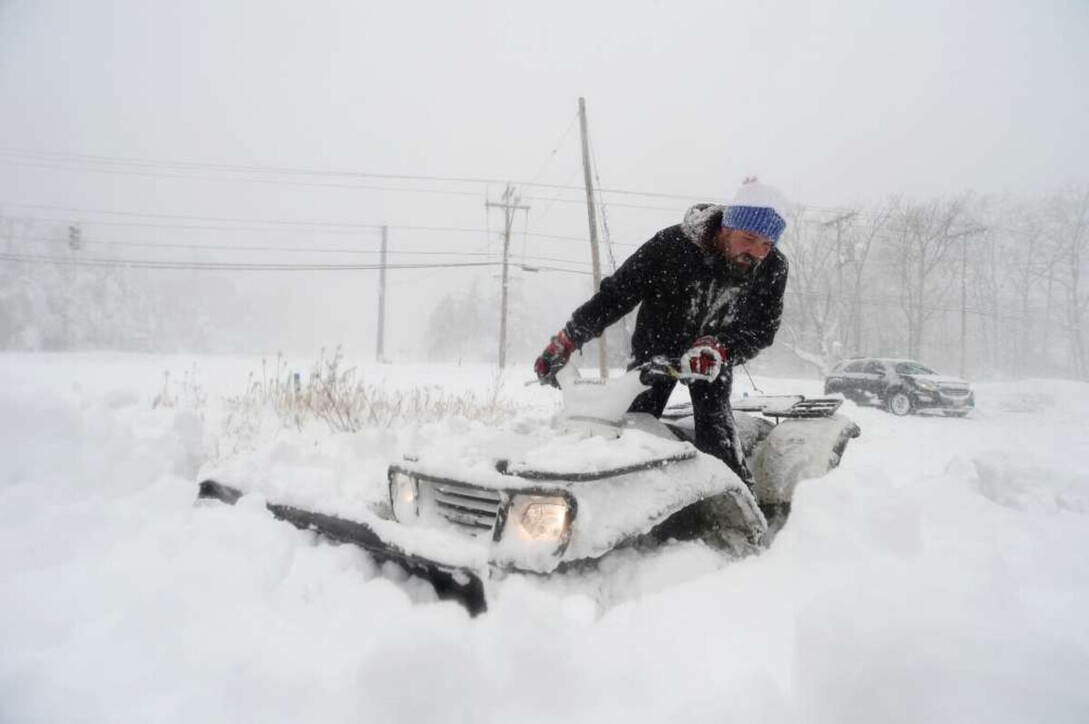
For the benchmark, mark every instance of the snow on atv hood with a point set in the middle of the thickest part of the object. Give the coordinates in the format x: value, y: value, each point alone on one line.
x: 474, y: 454
x: 611, y: 509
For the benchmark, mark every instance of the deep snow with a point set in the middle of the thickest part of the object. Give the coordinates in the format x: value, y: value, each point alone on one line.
x: 938, y: 575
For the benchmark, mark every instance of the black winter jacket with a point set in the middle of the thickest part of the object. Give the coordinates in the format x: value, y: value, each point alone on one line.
x: 686, y: 292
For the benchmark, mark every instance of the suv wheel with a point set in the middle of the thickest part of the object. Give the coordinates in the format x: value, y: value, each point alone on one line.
x: 900, y: 403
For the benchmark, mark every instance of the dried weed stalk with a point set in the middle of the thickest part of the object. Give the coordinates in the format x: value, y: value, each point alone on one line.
x: 342, y: 399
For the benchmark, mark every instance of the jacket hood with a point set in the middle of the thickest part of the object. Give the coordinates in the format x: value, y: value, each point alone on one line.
x: 701, y: 222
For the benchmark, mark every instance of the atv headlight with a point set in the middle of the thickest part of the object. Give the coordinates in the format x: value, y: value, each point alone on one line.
x: 404, y: 494
x: 540, y: 518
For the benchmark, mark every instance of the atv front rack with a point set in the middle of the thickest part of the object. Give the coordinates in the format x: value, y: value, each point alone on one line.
x: 817, y: 407
x: 457, y: 584
x: 775, y: 406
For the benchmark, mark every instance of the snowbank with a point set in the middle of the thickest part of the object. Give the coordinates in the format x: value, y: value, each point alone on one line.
x: 937, y: 575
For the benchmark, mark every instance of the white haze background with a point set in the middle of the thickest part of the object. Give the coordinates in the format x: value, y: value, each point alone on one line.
x: 839, y: 104
x: 937, y: 575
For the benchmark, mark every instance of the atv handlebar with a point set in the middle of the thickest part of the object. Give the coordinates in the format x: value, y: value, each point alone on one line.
x: 657, y: 368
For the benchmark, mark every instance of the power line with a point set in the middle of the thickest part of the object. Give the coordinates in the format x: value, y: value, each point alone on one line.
x: 194, y: 227
x: 54, y: 156
x: 222, y: 266
x: 549, y: 204
x: 193, y: 217
x: 417, y: 278
x: 264, y: 249
x: 555, y: 150
x: 326, y: 227
x: 120, y: 161
x: 58, y: 156
x: 272, y: 181
x: 228, y: 266
x: 601, y: 204
x: 235, y: 247
x: 311, y: 184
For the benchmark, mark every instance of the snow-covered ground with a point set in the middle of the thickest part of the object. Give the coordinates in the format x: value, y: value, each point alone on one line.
x: 938, y: 575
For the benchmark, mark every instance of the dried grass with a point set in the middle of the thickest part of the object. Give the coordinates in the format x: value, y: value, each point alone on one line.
x: 343, y: 400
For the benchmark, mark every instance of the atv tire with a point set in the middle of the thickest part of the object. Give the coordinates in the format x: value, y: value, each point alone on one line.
x: 712, y: 520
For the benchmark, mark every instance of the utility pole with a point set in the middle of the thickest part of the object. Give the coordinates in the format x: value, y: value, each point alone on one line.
x: 963, y: 304
x: 839, y: 222
x: 963, y: 235
x: 380, y: 354
x: 510, y: 205
x: 592, y: 216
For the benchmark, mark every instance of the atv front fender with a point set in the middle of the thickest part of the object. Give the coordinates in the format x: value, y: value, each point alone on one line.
x: 797, y: 450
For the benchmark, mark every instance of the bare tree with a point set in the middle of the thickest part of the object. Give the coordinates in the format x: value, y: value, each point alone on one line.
x: 1009, y: 286
x: 814, y: 318
x: 1025, y: 272
x: 990, y: 278
x: 860, y: 241
x: 924, y: 241
x: 1070, y: 211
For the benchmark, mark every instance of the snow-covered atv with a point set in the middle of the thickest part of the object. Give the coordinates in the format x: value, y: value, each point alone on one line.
x: 488, y: 502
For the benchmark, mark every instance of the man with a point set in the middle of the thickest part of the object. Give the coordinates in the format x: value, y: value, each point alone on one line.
x: 711, y: 290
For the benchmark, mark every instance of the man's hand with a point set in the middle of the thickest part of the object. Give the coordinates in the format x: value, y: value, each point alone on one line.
x: 704, y: 359
x: 554, y: 357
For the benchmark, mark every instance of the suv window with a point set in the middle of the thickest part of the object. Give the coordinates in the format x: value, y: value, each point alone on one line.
x: 913, y: 368
x: 854, y: 367
x: 874, y: 368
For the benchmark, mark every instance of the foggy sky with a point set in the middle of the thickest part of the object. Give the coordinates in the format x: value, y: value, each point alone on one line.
x: 836, y: 103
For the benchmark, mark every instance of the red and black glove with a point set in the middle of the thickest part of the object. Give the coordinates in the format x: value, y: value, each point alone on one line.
x: 554, y: 357
x: 704, y: 359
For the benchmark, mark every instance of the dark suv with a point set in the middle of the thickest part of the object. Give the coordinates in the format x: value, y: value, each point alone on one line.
x: 901, y: 386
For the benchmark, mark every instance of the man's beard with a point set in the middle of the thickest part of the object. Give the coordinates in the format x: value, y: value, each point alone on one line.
x: 731, y: 266
x: 743, y: 263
